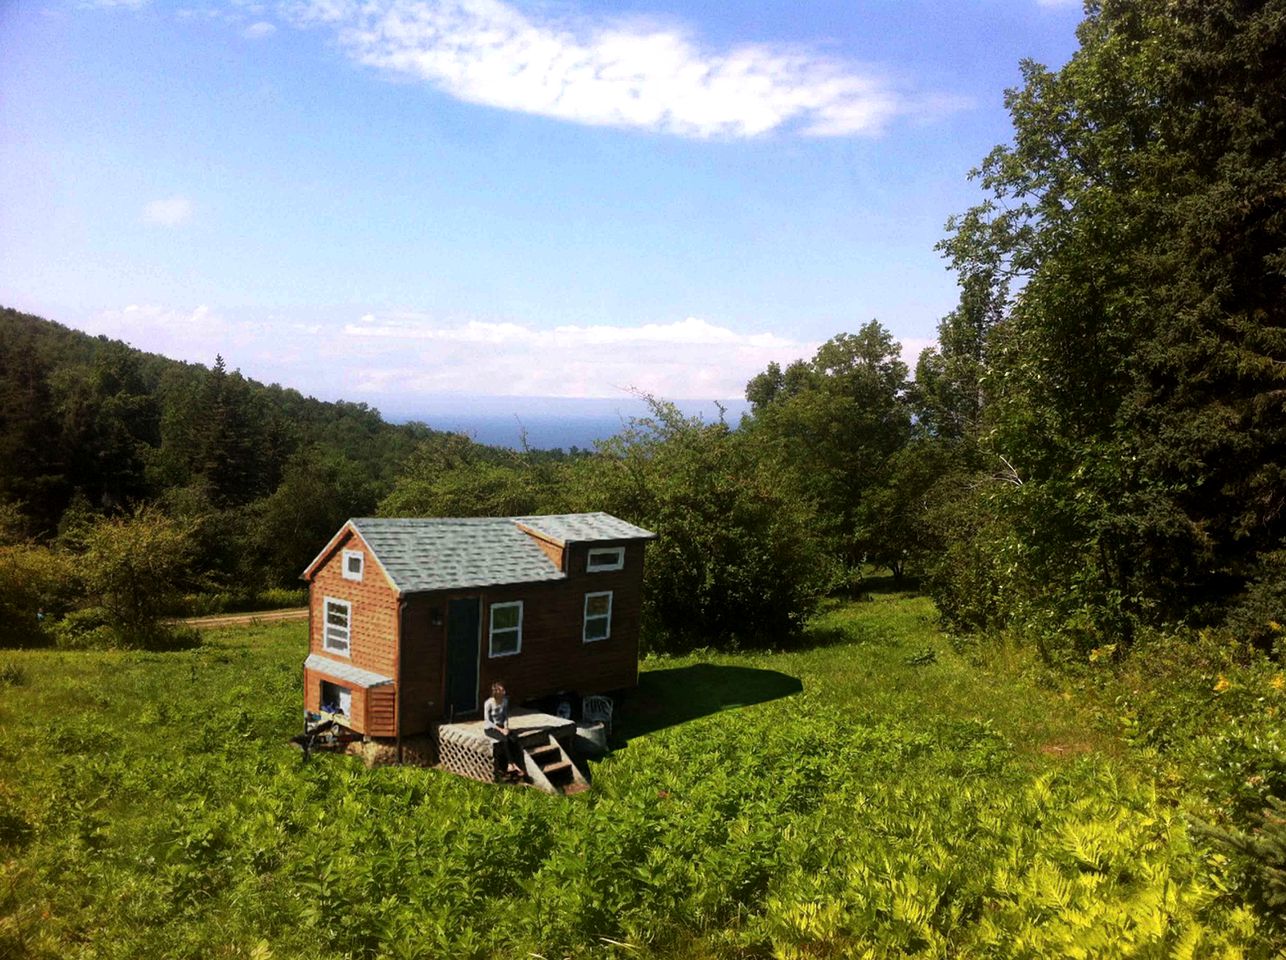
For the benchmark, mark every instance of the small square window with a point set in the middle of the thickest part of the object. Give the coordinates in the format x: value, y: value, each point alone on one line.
x: 605, y: 558
x: 336, y: 628
x: 336, y: 699
x: 354, y: 561
x: 598, y: 616
x: 506, y: 629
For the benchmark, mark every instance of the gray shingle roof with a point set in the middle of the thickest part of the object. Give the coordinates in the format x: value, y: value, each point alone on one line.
x: 585, y: 527
x: 446, y: 554
x: 449, y: 553
x: 345, y: 671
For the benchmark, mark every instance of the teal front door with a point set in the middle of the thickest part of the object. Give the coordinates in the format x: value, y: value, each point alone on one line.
x: 464, y: 619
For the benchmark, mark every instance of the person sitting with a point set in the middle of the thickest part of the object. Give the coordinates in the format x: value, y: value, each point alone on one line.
x: 495, y: 724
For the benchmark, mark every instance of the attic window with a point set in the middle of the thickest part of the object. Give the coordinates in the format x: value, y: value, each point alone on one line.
x: 336, y: 628
x: 354, y: 561
x: 605, y: 558
x: 506, y: 629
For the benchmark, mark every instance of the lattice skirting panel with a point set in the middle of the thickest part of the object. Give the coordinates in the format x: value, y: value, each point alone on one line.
x: 466, y: 755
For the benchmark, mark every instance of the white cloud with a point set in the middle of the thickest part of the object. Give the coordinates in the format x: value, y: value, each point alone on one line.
x: 279, y: 349
x: 259, y: 30
x: 608, y: 73
x: 195, y: 335
x: 168, y: 212
x: 396, y: 360
x: 115, y: 4
x: 912, y: 347
x: 406, y: 354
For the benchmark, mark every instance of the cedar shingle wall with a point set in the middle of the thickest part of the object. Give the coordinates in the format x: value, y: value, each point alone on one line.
x: 552, y: 550
x: 373, y: 618
x: 372, y: 636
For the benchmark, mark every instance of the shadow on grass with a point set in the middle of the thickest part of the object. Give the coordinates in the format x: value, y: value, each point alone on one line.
x: 665, y: 698
x: 888, y: 584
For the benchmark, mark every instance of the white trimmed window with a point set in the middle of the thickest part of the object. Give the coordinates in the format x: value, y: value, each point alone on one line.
x: 354, y: 561
x: 598, y: 616
x: 506, y: 629
x: 605, y: 558
x: 337, y: 626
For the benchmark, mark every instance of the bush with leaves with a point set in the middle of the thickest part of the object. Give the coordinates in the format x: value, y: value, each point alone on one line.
x: 36, y: 585
x: 832, y: 425
x: 134, y: 567
x: 735, y: 561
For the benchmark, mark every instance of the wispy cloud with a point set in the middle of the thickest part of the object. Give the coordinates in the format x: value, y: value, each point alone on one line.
x: 690, y: 358
x: 274, y: 348
x: 399, y: 359
x: 259, y: 30
x: 609, y: 73
x: 168, y: 212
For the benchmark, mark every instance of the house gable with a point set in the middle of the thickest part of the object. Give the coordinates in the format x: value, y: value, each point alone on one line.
x: 348, y: 538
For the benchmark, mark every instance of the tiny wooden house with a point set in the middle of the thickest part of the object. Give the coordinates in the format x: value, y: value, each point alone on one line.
x: 411, y: 620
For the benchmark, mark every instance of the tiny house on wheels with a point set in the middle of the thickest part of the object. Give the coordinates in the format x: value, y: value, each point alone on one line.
x: 411, y: 620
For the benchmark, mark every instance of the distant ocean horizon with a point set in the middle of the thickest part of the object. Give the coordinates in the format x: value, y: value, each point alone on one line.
x: 550, y: 423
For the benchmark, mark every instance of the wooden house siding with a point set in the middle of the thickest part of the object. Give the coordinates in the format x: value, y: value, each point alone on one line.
x: 373, y: 634
x: 554, y: 656
x: 423, y: 680
x: 381, y: 712
x: 372, y: 643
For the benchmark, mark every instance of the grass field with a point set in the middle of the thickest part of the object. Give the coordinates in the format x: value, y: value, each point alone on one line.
x: 868, y: 795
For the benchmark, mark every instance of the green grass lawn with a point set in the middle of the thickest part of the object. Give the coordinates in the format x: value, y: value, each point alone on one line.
x: 869, y: 795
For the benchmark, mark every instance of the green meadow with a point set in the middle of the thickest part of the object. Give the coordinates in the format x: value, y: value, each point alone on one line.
x: 870, y: 793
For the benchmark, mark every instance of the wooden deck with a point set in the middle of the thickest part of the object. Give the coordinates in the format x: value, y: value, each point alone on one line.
x: 548, y: 745
x: 520, y: 721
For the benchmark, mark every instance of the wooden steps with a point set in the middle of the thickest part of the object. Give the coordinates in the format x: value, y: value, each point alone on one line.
x: 549, y: 768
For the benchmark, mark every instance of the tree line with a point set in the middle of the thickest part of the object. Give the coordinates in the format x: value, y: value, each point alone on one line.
x: 1095, y: 447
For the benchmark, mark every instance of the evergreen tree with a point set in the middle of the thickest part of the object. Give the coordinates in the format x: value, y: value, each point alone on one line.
x: 1134, y: 247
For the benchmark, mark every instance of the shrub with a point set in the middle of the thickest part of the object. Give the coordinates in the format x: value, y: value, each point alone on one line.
x: 1259, y: 616
x: 85, y: 629
x: 36, y: 584
x: 94, y: 629
x: 228, y: 601
x: 134, y: 567
x: 735, y: 561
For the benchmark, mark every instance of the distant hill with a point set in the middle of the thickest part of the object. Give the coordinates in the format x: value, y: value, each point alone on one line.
x: 92, y: 425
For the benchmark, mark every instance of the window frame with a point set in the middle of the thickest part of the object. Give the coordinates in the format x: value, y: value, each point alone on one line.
x: 361, y: 565
x: 347, y: 650
x: 617, y: 564
x: 584, y: 633
x: 491, y: 629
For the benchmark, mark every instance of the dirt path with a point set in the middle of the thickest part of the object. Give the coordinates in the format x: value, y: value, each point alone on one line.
x: 235, y: 619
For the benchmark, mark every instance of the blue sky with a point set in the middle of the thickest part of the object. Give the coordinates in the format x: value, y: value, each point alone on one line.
x: 402, y: 201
